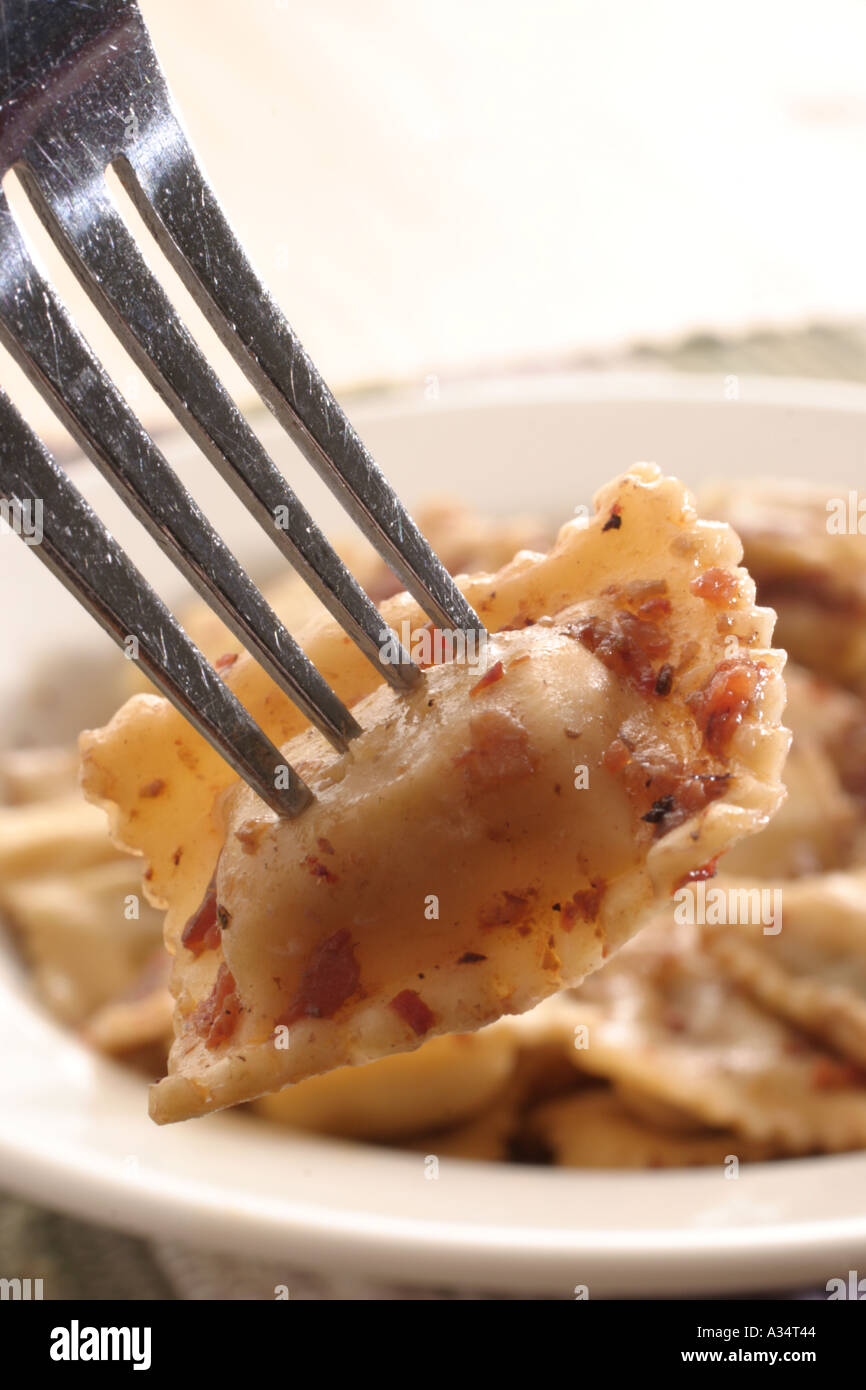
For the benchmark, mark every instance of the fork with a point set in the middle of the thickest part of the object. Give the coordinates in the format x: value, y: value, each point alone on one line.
x: 81, y: 91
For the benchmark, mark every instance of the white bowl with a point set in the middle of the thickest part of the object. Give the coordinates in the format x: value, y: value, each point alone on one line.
x: 74, y: 1133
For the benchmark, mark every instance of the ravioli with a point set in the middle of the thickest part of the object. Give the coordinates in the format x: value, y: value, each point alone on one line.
x: 138, y: 1019
x: 805, y: 547
x: 664, y: 1022
x: 813, y: 972
x: 820, y: 824
x: 72, y: 900
x: 442, y: 1083
x: 596, y: 1129
x: 490, y: 838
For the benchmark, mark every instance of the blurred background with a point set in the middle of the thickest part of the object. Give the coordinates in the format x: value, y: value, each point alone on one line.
x: 442, y: 188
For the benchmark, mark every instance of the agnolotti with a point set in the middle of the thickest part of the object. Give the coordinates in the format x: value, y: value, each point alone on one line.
x: 491, y: 838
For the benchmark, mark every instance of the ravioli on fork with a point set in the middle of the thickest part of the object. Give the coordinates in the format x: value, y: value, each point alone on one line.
x: 490, y: 838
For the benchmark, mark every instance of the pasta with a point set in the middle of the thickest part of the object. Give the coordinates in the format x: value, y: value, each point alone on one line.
x: 86, y: 933
x: 819, y: 824
x: 596, y: 1129
x: 805, y: 546
x: 704, y: 1043
x: 443, y: 1083
x: 72, y: 899
x: 813, y: 973
x: 664, y: 1022
x: 513, y: 880
x: 34, y: 774
x: 63, y: 833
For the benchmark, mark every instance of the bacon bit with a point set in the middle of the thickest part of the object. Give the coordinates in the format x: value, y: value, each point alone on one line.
x: 664, y: 680
x: 490, y: 677
x: 717, y: 586
x: 506, y: 910
x: 499, y: 749
x: 832, y: 1075
x: 154, y: 788
x: 471, y: 958
x: 325, y: 845
x: 216, y: 1017
x: 647, y: 635
x: 721, y: 705
x: 624, y: 644
x: 572, y: 733
x: 689, y: 795
x: 177, y: 856
x: 616, y: 756
x: 602, y: 637
x: 655, y: 608
x: 519, y: 660
x: 332, y: 975
x: 614, y: 520
x: 249, y: 835
x: 585, y: 905
x: 412, y: 1009
x: 201, y: 932
x: 699, y: 875
x: 660, y: 788
x: 697, y: 792
x: 226, y: 661
x: 318, y: 869
x: 659, y: 810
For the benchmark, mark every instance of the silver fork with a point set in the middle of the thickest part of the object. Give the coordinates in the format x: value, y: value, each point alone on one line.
x: 81, y: 91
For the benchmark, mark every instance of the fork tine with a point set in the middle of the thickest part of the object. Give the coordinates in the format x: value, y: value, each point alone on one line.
x: 168, y: 188
x: 37, y: 331
x: 78, y: 549
x: 99, y: 248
